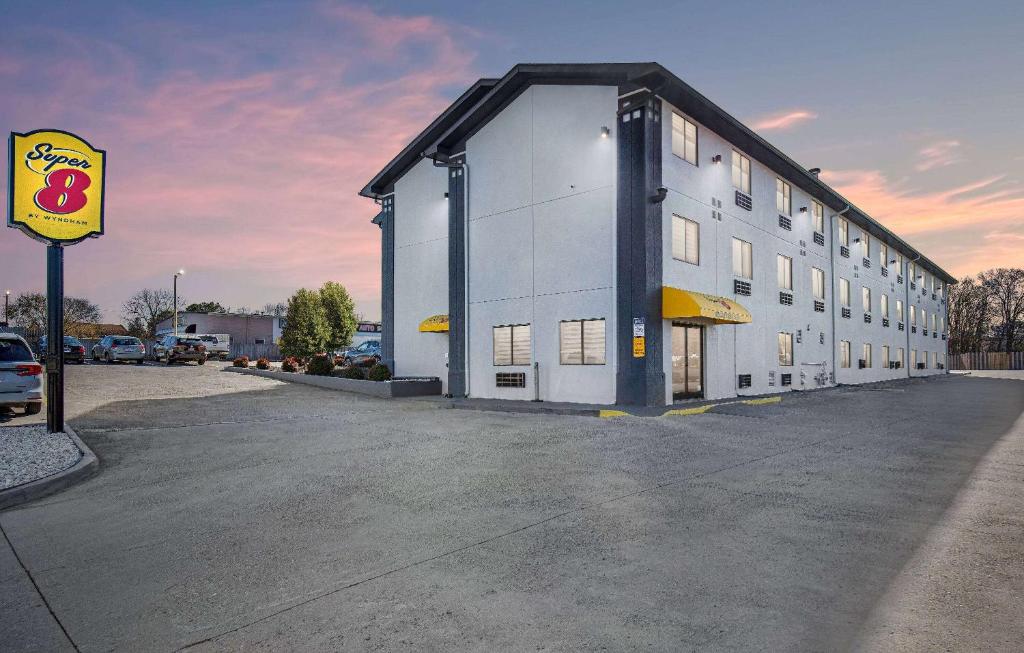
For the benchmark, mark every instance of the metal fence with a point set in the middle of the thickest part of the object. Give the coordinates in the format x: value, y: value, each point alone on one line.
x: 987, y: 360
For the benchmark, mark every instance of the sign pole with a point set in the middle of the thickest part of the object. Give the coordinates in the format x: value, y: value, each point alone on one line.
x: 55, y: 338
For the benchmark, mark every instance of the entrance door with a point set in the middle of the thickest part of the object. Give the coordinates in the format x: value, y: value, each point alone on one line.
x: 687, y: 361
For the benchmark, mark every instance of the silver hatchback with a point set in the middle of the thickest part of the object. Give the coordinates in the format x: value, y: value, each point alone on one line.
x: 119, y: 348
x: 21, y: 376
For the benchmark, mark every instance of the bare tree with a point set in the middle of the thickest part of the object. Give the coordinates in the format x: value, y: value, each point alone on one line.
x: 1005, y: 287
x: 150, y: 306
x: 970, y: 316
x: 28, y: 310
x: 280, y: 309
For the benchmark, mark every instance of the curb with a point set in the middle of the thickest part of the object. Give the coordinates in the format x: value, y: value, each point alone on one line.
x: 41, y: 487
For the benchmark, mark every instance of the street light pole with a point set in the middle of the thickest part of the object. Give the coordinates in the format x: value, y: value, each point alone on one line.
x: 176, y: 275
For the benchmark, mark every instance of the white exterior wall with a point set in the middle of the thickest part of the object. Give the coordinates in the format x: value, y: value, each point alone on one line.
x: 694, y: 191
x: 541, y: 243
x: 421, y: 270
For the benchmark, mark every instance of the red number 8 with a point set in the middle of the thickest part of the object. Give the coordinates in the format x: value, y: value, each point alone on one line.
x: 64, y: 191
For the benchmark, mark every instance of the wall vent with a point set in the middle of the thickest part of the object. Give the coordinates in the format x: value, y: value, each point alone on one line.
x: 743, y: 201
x: 899, y: 278
x: 787, y: 379
x: 913, y: 328
x: 899, y: 325
x: 844, y: 251
x: 862, y: 363
x: 741, y: 287
x: 935, y: 335
x: 786, y: 299
x: 943, y: 336
x: 785, y: 223
x: 924, y: 332
x: 913, y: 286
x: 934, y: 296
x: 819, y: 306
x: 819, y: 238
x: 885, y: 272
x: 885, y: 321
x: 846, y: 313
x: 744, y: 380
x: 920, y: 366
x: 510, y: 379
x: 866, y: 263
x: 867, y: 318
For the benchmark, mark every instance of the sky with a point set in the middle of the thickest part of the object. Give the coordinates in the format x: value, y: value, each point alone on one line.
x: 238, y: 134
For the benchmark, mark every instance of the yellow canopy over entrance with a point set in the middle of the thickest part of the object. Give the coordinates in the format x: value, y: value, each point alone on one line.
x: 435, y: 324
x: 686, y: 303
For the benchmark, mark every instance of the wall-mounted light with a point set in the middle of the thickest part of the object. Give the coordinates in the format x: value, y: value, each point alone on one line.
x: 446, y: 194
x: 605, y: 132
x: 857, y: 239
x: 716, y: 159
x: 892, y: 262
x: 803, y: 209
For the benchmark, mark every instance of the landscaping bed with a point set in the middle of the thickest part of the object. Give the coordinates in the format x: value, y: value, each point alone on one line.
x: 396, y: 387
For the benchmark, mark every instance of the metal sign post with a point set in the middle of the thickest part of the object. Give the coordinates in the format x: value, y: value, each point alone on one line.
x: 55, y: 338
x: 56, y: 197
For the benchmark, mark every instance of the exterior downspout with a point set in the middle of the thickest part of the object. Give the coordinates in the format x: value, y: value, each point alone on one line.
x: 832, y: 266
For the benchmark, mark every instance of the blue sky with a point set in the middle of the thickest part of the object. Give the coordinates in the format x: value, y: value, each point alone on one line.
x: 256, y: 123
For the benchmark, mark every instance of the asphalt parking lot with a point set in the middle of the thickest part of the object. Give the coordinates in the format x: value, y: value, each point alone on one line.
x: 233, y: 512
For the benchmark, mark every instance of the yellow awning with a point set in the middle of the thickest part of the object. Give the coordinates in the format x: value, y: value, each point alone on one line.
x: 686, y: 303
x: 435, y: 324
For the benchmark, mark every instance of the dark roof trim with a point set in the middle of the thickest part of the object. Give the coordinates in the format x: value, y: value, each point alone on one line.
x: 411, y: 153
x: 488, y: 97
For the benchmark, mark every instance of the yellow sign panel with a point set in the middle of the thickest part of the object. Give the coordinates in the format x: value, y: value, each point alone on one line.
x: 56, y: 189
x: 639, y: 347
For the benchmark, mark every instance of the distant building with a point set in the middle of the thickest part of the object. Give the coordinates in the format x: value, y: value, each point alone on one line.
x: 244, y: 328
x: 91, y: 330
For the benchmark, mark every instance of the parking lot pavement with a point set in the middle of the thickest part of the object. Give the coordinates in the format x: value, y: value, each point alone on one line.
x: 235, y: 512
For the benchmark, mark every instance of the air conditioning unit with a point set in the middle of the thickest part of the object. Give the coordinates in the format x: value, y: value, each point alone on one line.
x: 885, y: 321
x: 787, y: 379
x: 866, y: 263
x: 819, y: 306
x: 867, y: 318
x: 786, y: 299
x: 913, y: 328
x: 885, y: 272
x: 846, y: 313
x: 899, y: 325
x: 743, y: 201
x: 743, y: 380
x: 920, y: 366
x: 741, y: 287
x: 819, y: 238
x: 862, y: 363
x: 913, y: 286
x: 941, y: 366
x: 785, y: 223
x: 899, y: 278
x: 924, y: 332
x: 844, y: 251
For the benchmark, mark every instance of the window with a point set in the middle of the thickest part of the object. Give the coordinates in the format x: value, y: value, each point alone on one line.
x: 866, y: 355
x: 885, y: 356
x: 865, y: 245
x: 899, y: 263
x: 785, y: 265
x: 865, y: 294
x: 883, y: 254
x: 942, y: 324
x: 913, y: 359
x: 844, y: 292
x: 512, y: 344
x: 899, y: 356
x: 819, y: 216
x: 913, y: 316
x: 818, y: 283
x: 685, y: 240
x: 684, y: 139
x: 935, y: 360
x: 783, y: 197
x: 844, y: 353
x: 581, y: 342
x: 910, y: 271
x: 786, y: 349
x: 933, y: 321
x: 924, y: 318
x: 899, y: 310
x: 741, y: 172
x: 844, y: 232
x: 742, y: 259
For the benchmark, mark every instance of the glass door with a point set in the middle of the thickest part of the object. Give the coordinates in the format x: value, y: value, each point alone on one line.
x: 687, y: 361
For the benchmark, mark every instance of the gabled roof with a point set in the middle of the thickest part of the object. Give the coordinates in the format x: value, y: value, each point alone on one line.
x: 488, y: 97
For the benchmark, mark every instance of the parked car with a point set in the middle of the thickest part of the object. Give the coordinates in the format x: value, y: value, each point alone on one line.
x: 365, y: 355
x: 74, y: 350
x: 217, y: 344
x: 119, y: 348
x: 21, y: 376
x: 180, y: 349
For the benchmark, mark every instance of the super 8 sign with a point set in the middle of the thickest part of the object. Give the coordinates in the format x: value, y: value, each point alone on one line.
x: 56, y: 186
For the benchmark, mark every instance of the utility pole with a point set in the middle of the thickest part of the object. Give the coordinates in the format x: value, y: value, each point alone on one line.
x: 7, y: 310
x: 176, y: 275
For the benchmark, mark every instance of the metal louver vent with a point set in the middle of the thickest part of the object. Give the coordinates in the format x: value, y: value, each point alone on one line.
x: 819, y: 238
x: 867, y: 318
x: 744, y: 380
x: 786, y: 299
x: 844, y: 251
x: 819, y: 306
x: 741, y: 287
x: 913, y: 329
x: 510, y: 379
x: 885, y: 272
x: 787, y: 379
x: 899, y: 325
x: 785, y: 223
x: 913, y: 286
x: 846, y: 313
x: 743, y: 201
x: 885, y: 321
x: 866, y: 263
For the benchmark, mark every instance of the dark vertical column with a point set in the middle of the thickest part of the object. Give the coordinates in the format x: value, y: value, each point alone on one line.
x: 54, y: 338
x: 639, y: 381
x: 387, y: 288
x: 456, y: 282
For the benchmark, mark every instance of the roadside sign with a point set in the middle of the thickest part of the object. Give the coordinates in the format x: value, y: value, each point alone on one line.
x: 56, y: 197
x: 56, y: 186
x: 639, y: 347
x: 638, y: 327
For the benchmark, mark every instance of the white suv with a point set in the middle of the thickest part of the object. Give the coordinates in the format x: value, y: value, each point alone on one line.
x: 21, y: 376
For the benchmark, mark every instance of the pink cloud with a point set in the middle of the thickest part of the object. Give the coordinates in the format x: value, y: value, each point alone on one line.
x: 960, y: 227
x: 938, y: 155
x: 785, y: 120
x: 247, y: 178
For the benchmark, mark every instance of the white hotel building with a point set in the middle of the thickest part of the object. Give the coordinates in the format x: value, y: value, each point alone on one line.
x: 603, y: 233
